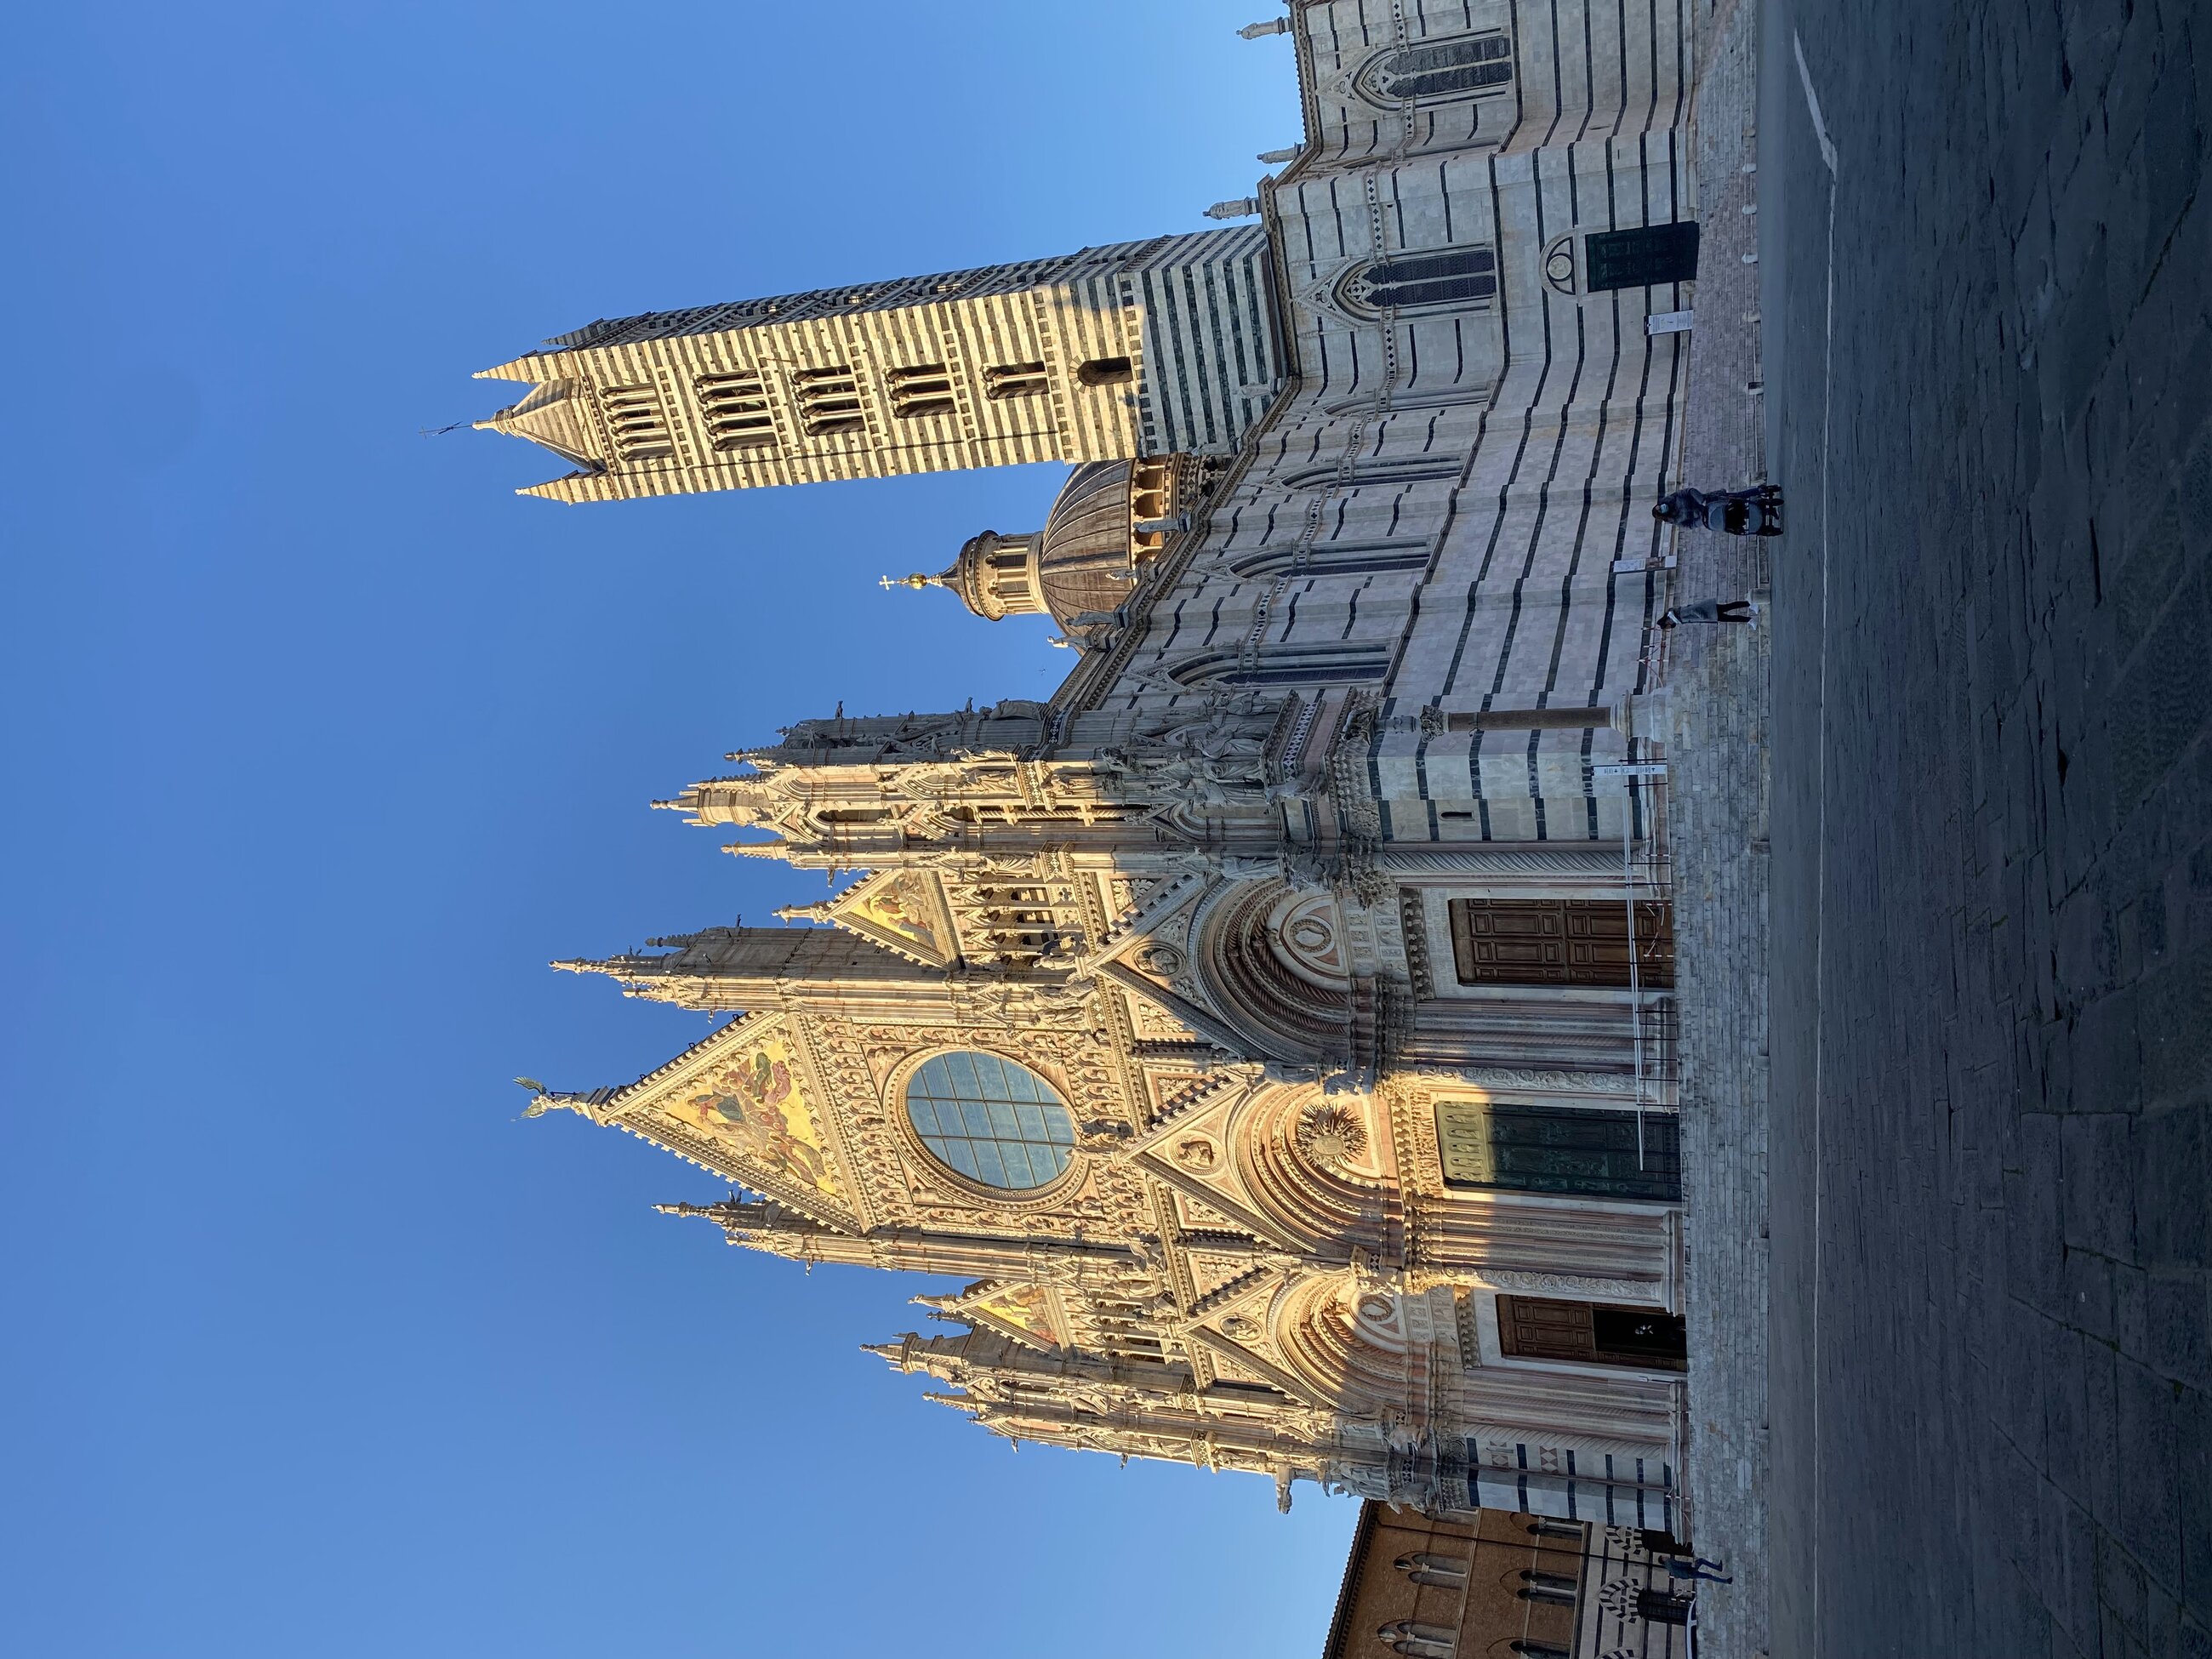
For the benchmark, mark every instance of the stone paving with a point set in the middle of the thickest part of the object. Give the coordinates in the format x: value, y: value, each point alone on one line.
x: 1990, y: 1315
x: 1718, y: 831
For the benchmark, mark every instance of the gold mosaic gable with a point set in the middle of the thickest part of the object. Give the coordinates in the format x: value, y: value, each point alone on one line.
x: 1025, y: 1312
x: 745, y: 1104
x: 902, y: 910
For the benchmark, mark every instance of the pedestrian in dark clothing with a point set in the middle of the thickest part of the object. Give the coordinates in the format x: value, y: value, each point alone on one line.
x: 1697, y: 1567
x: 1754, y: 512
x: 1708, y: 611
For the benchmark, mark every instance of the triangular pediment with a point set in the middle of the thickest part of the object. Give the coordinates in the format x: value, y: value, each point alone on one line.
x: 902, y: 910
x: 1193, y: 1150
x: 747, y: 1105
x: 1030, y: 1314
x: 1210, y: 1274
x: 1233, y: 1329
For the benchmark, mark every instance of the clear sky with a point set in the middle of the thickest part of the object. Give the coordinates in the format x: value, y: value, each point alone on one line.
x: 320, y: 743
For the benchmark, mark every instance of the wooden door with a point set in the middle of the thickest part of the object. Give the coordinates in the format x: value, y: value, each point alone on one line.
x: 1561, y: 942
x: 1591, y: 1333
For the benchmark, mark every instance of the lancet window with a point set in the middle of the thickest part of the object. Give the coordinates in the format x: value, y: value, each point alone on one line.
x: 1379, y: 470
x: 1445, y: 68
x: 829, y: 401
x: 1339, y: 559
x: 736, y: 406
x: 1123, y: 1330
x: 1449, y: 278
x: 1290, y: 665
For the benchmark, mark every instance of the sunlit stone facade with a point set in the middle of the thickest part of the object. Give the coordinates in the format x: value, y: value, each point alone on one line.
x: 1273, y: 1027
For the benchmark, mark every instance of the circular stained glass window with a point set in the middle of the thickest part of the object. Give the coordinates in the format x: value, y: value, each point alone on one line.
x: 993, y: 1120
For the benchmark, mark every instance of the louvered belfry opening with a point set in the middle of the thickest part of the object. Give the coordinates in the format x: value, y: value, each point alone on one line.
x: 829, y: 400
x: 1004, y: 381
x: 921, y: 389
x: 637, y: 422
x: 737, y: 409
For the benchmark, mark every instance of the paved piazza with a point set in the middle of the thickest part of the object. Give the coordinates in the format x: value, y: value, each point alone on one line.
x: 1991, y: 830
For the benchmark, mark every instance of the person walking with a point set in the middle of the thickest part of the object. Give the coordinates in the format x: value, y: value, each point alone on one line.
x: 1696, y: 1567
x: 1756, y: 511
x: 1709, y: 610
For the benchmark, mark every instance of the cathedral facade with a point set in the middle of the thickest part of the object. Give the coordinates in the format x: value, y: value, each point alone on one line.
x: 1273, y: 1029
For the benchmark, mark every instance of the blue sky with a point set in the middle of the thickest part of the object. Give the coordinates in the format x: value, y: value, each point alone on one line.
x: 320, y: 743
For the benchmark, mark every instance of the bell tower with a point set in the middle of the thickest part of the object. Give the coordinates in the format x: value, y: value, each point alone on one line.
x: 1141, y: 349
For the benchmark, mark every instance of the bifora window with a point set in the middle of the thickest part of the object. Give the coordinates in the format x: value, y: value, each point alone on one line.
x: 1446, y: 69
x: 1004, y: 380
x: 991, y: 1120
x: 1450, y: 277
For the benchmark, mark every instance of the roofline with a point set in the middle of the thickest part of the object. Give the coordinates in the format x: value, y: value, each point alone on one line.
x: 1362, y: 1536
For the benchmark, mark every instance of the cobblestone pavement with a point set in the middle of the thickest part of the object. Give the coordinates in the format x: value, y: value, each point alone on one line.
x: 1990, y: 1361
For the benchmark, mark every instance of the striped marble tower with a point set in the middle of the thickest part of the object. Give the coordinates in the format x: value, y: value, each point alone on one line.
x: 1161, y: 347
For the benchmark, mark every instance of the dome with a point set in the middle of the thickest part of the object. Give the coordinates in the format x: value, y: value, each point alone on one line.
x: 1108, y: 521
x: 1085, y: 559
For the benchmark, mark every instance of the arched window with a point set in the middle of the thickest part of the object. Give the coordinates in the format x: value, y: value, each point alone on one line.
x: 1339, y: 558
x: 1390, y: 470
x: 1472, y: 64
x: 1449, y: 277
x: 991, y: 1120
x: 1541, y: 1651
x: 1418, y: 1641
x: 1423, y: 1568
x: 1105, y: 371
x: 1659, y: 1608
x: 1290, y: 665
x: 1556, y: 1588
